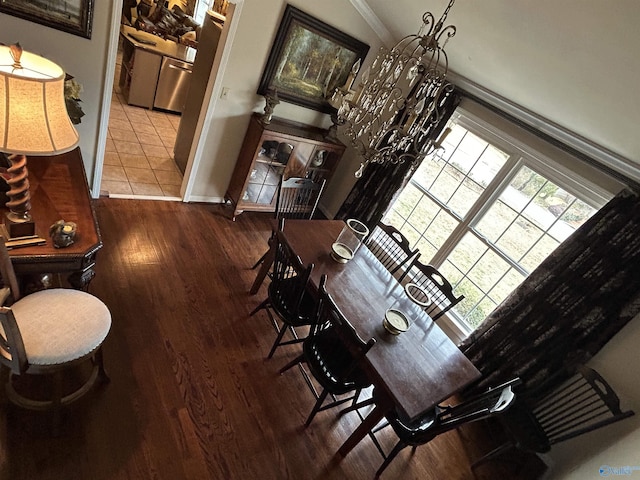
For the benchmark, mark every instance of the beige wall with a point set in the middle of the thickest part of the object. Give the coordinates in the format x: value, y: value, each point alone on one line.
x: 256, y: 31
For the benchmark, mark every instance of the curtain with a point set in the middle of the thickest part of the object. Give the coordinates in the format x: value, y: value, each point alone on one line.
x: 372, y: 194
x: 570, y: 306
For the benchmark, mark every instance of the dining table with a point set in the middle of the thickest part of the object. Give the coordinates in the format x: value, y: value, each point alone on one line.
x: 412, y: 372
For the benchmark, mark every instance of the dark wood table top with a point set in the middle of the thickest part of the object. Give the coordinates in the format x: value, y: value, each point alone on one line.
x: 59, y: 191
x: 417, y: 369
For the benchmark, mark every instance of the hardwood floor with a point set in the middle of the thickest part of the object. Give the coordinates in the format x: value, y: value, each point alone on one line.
x: 192, y: 395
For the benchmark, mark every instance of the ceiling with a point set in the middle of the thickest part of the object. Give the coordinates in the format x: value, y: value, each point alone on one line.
x: 573, y: 62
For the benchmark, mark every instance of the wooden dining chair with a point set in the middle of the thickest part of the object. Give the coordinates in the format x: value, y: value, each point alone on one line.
x: 296, y: 198
x: 288, y: 301
x: 333, y: 352
x: 495, y: 401
x: 439, y: 297
x: 391, y: 247
x: 542, y: 418
x: 45, y: 334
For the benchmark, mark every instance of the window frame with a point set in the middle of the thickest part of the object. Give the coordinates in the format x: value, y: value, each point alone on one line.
x: 521, y: 153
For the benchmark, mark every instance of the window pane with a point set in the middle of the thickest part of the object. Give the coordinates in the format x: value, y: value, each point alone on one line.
x: 424, y: 214
x: 488, y: 271
x: 465, y: 196
x: 438, y: 231
x: 538, y: 253
x: 490, y: 162
x: 467, y: 253
x: 571, y: 219
x: 508, y: 284
x: 519, y: 238
x: 496, y: 221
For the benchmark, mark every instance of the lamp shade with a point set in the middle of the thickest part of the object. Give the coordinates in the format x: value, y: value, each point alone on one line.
x: 33, y: 114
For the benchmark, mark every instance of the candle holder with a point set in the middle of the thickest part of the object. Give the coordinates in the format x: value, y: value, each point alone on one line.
x: 349, y: 240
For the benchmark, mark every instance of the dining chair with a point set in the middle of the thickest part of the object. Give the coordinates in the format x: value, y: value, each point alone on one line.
x: 287, y: 295
x: 296, y: 198
x: 541, y: 419
x: 333, y: 352
x: 46, y: 333
x: 391, y: 247
x: 439, y: 292
x: 495, y: 401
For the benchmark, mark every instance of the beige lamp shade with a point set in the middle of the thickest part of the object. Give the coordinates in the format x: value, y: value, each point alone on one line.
x: 33, y: 114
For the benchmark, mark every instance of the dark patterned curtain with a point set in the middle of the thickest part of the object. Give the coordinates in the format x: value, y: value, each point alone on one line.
x: 570, y: 306
x: 372, y: 194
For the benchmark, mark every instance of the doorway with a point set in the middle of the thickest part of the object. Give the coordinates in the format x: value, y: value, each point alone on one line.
x: 139, y: 158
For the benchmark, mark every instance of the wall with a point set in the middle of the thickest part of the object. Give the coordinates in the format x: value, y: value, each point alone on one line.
x: 256, y: 31
x: 615, y: 445
x: 83, y: 58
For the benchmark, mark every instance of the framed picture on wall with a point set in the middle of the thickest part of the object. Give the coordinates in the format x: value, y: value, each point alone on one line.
x: 308, y: 60
x: 72, y: 16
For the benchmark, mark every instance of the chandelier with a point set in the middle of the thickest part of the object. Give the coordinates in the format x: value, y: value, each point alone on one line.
x: 391, y: 114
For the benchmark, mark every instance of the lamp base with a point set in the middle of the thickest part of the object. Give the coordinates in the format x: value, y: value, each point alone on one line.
x: 18, y: 227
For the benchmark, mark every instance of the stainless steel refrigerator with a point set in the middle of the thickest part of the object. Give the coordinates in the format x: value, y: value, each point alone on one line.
x: 207, y: 46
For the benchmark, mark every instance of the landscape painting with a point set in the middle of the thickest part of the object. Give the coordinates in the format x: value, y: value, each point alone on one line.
x: 72, y: 16
x: 308, y: 60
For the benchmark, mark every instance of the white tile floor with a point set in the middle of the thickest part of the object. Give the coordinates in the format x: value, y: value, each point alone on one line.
x: 139, y: 151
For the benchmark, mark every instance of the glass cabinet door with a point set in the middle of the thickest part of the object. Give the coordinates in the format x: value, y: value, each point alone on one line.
x: 268, y: 167
x: 322, y: 162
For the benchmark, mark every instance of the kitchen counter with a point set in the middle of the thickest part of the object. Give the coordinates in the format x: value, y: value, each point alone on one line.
x: 160, y: 46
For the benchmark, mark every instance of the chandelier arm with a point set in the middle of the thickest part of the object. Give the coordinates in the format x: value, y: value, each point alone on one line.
x: 394, y: 112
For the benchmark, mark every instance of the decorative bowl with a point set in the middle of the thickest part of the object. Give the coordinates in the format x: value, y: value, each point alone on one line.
x: 341, y: 253
x: 395, y: 322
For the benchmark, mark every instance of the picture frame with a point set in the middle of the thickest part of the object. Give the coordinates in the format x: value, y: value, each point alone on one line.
x: 72, y: 16
x: 308, y: 60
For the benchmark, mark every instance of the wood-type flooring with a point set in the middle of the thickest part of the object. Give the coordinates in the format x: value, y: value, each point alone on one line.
x: 192, y: 395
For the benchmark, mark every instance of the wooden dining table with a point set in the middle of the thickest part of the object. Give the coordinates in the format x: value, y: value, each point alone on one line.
x: 412, y: 372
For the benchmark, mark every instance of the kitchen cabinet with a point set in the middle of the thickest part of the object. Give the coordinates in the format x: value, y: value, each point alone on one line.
x: 154, y: 72
x: 280, y: 148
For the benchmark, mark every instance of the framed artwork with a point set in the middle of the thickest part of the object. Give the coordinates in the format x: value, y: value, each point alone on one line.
x: 308, y: 60
x: 72, y: 16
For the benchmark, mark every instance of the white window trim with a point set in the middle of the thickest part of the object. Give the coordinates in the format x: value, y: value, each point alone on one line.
x: 521, y: 154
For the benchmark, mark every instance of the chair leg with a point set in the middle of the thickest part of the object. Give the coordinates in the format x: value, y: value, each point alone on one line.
x: 57, y: 403
x: 264, y: 304
x: 316, y: 407
x: 260, y: 260
x: 283, y: 330
x: 493, y: 454
x: 295, y: 361
x: 103, y: 377
x: 357, y: 406
x: 399, y: 446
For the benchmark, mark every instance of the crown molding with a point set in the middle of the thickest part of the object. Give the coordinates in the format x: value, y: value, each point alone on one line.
x: 624, y: 167
x: 374, y: 22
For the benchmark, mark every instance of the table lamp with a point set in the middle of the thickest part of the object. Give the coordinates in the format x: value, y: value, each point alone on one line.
x: 33, y: 121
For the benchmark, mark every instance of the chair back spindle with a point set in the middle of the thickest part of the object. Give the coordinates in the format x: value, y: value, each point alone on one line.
x: 438, y: 288
x: 298, y: 198
x: 391, y: 247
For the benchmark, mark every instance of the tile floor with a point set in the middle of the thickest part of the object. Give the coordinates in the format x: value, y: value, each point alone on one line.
x: 139, y: 152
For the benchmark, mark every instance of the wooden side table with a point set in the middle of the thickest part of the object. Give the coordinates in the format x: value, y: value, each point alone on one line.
x: 59, y: 190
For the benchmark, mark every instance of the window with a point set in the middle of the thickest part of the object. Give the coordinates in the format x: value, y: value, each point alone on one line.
x: 487, y: 211
x: 201, y: 9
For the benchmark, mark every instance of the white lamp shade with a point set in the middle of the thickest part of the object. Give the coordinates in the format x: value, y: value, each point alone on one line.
x: 33, y: 114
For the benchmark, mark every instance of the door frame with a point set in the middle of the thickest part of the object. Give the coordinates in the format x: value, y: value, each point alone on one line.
x: 210, y: 99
